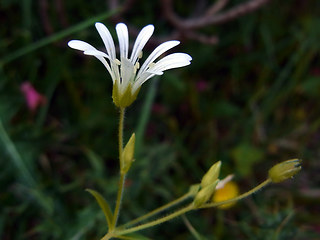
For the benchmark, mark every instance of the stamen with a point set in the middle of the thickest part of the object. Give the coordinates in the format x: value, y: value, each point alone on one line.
x: 116, y: 61
x: 140, y: 54
x: 151, y: 65
x: 137, y: 65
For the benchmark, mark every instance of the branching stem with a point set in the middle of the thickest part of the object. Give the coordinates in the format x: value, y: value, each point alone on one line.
x: 158, y: 210
x: 157, y: 221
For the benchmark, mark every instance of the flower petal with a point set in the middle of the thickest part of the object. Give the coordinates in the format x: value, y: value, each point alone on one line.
x: 127, y: 73
x: 110, y: 47
x: 142, y: 79
x: 101, y: 57
x: 107, y: 39
x: 80, y: 45
x: 174, y: 60
x: 224, y: 181
x: 141, y: 41
x: 156, y: 53
x: 95, y: 52
x: 123, y: 36
x: 90, y: 50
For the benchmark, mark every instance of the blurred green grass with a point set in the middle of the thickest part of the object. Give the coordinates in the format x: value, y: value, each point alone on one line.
x: 250, y: 101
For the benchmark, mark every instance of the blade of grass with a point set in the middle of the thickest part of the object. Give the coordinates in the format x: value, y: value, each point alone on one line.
x: 45, y: 41
x: 16, y: 157
x: 193, y: 231
x: 145, y: 114
x: 26, y: 13
x: 277, y: 90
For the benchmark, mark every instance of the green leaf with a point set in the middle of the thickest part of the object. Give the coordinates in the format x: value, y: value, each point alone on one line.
x: 245, y: 156
x: 103, y: 205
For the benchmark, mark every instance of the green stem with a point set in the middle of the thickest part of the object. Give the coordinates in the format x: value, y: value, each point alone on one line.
x: 158, y: 210
x: 120, y: 135
x: 242, y: 196
x: 155, y: 222
x: 119, y: 231
x: 122, y: 176
x: 108, y: 236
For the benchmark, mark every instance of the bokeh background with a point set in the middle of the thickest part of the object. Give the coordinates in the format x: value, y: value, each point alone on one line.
x: 250, y: 98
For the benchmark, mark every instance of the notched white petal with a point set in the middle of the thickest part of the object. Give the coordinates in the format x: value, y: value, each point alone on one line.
x: 162, y: 48
x: 174, y: 60
x: 94, y: 52
x: 155, y: 72
x: 123, y: 36
x: 141, y: 41
x: 224, y: 181
x: 107, y: 39
x: 80, y: 45
x: 143, y: 77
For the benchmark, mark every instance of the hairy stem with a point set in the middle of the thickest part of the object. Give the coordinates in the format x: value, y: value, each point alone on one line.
x: 122, y: 176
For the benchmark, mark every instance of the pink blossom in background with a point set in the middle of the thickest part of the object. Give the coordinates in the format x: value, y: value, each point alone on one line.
x: 202, y: 85
x: 315, y: 71
x: 32, y: 97
x: 159, y: 108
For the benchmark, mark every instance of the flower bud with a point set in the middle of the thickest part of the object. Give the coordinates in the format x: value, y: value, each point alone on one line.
x: 212, y: 175
x: 205, y: 194
x: 284, y: 170
x: 128, y: 154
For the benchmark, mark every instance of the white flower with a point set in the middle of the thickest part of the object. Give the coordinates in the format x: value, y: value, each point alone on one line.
x: 126, y: 73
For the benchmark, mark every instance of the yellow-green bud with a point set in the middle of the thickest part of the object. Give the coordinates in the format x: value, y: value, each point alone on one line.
x: 212, y: 175
x: 205, y: 194
x: 125, y: 98
x: 284, y: 170
x: 128, y: 154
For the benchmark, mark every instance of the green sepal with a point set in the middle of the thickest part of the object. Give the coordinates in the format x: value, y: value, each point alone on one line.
x: 125, y: 99
x: 205, y: 194
x: 212, y: 175
x: 115, y: 94
x: 103, y: 205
